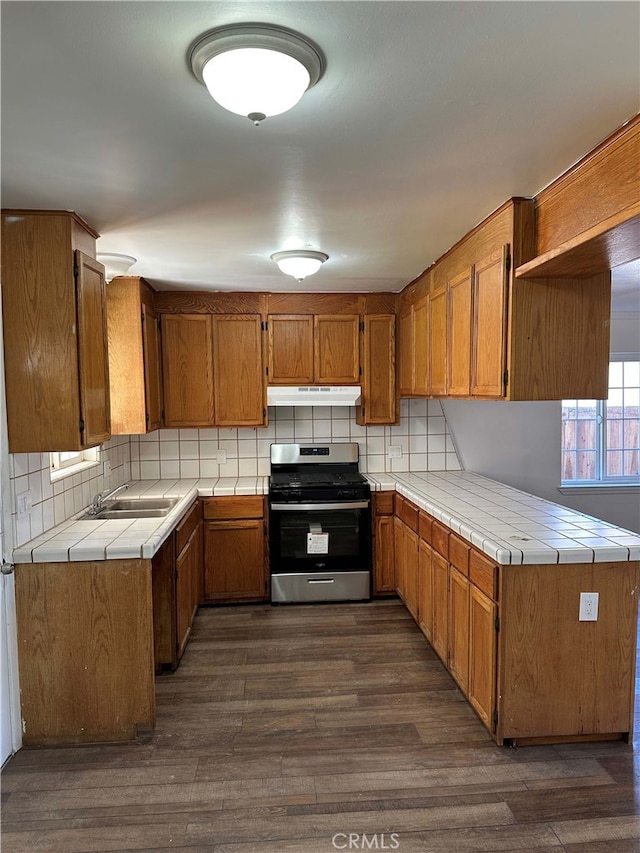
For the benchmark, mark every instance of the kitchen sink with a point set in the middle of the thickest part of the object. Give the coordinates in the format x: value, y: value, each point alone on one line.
x: 132, y: 508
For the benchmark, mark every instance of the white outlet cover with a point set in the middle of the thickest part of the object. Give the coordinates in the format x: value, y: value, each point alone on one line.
x: 588, y: 607
x: 221, y: 457
x: 394, y: 451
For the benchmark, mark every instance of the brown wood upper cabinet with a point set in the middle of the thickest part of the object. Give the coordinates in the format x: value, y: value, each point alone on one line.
x: 237, y: 365
x: 320, y: 349
x: 55, y: 333
x: 187, y: 370
x: 134, y: 357
x: 291, y: 349
x: 459, y: 316
x: 379, y: 402
x: 505, y: 337
x: 212, y: 370
x: 437, y: 342
x: 490, y: 325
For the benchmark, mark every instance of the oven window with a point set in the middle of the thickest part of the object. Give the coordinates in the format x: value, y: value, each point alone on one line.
x: 335, y: 533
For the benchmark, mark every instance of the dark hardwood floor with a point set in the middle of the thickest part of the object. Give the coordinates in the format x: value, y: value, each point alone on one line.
x: 287, y: 729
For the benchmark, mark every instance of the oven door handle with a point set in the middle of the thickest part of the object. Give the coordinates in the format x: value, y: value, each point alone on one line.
x: 319, y: 507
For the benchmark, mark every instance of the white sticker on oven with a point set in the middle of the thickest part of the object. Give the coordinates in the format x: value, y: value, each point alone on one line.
x: 317, y: 543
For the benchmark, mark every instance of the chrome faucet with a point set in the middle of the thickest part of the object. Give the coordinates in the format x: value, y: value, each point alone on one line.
x: 101, y: 497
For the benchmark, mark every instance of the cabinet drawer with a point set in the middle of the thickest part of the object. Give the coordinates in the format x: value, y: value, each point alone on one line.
x: 409, y: 514
x: 245, y: 506
x: 459, y: 553
x: 440, y: 538
x: 186, y: 527
x: 425, y: 521
x: 382, y: 503
x: 484, y: 574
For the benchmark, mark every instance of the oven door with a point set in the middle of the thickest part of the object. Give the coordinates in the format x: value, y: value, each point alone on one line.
x: 320, y: 537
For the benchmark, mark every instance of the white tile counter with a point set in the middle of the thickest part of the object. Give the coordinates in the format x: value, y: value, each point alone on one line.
x: 112, y: 539
x: 511, y: 526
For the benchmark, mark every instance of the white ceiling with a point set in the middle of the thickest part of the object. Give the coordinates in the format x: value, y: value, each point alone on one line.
x: 428, y: 117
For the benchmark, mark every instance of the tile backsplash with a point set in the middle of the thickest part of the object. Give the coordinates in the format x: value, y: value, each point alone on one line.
x: 53, y: 503
x: 422, y: 436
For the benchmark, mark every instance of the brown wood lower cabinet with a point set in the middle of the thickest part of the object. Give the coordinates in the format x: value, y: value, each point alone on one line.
x: 511, y: 638
x: 85, y: 650
x: 234, y: 549
x: 177, y: 581
x: 384, y: 574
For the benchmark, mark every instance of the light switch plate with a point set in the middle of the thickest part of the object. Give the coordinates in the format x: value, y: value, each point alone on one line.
x: 221, y: 457
x: 24, y: 502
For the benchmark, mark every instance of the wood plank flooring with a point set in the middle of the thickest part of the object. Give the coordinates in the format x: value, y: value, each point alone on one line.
x: 304, y: 729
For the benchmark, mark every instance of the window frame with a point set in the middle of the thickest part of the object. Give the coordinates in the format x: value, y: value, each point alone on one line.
x: 603, y: 480
x: 75, y: 463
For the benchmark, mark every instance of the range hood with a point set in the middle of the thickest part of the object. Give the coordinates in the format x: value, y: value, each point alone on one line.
x: 314, y: 395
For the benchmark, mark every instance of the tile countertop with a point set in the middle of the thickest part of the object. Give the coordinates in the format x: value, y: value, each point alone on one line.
x: 508, y: 525
x: 511, y: 526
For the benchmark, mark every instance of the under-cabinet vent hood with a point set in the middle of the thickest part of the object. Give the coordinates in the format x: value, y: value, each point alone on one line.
x: 314, y: 395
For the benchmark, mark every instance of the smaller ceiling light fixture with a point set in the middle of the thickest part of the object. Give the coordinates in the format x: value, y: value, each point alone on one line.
x: 256, y: 70
x: 115, y: 265
x: 299, y: 263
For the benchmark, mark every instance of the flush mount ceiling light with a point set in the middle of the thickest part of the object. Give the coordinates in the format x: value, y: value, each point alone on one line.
x: 115, y: 265
x: 299, y: 263
x: 256, y: 70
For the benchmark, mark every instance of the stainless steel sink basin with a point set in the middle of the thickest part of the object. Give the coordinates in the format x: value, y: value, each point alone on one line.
x: 133, y: 508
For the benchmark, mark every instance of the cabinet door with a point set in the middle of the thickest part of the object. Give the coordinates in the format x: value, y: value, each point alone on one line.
x: 92, y: 351
x: 234, y: 559
x: 489, y: 325
x: 187, y: 362
x: 482, y: 655
x: 237, y: 364
x: 401, y: 568
x: 378, y: 370
x: 459, y: 335
x: 411, y: 572
x: 420, y: 328
x: 336, y: 350
x: 405, y: 354
x: 290, y: 349
x: 437, y: 307
x: 459, y: 627
x: 384, y: 576
x: 185, y: 569
x: 163, y: 587
x: 152, y: 372
x: 440, y: 575
x: 425, y: 590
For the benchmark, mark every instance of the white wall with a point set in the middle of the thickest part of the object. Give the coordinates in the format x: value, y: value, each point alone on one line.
x: 519, y: 443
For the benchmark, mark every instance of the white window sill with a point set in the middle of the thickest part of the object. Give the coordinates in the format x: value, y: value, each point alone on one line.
x: 603, y: 488
x: 60, y: 473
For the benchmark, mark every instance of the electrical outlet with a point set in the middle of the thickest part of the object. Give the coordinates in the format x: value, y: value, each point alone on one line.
x: 221, y: 457
x: 107, y: 472
x: 394, y: 451
x: 24, y: 502
x: 588, y: 607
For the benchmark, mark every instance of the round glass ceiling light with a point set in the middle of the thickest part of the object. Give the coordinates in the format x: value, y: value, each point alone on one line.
x: 115, y: 265
x: 256, y: 70
x: 299, y: 263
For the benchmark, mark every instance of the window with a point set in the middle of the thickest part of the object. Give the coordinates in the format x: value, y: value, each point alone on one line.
x: 601, y: 438
x: 66, y: 462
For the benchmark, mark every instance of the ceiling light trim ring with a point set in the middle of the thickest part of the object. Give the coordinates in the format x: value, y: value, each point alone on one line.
x: 266, y: 36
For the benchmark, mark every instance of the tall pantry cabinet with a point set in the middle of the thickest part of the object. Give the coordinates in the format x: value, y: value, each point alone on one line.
x: 55, y: 334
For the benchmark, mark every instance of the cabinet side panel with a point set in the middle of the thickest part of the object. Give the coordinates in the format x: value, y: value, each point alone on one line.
x: 85, y: 638
x: 560, y: 676
x: 40, y: 334
x: 559, y: 338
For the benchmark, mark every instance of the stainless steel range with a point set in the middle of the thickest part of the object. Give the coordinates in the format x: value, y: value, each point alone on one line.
x: 319, y: 524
